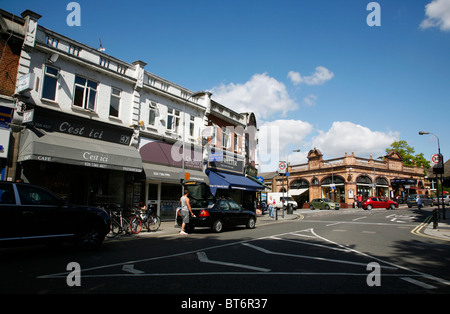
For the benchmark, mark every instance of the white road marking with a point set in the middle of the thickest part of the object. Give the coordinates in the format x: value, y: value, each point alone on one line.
x: 418, y: 283
x: 130, y: 269
x: 204, y: 259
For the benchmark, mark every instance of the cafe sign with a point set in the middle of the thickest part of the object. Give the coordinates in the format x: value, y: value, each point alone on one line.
x: 53, y: 121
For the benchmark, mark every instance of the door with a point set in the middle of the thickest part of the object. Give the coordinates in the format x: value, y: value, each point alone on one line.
x: 42, y: 213
x: 9, y: 213
x: 239, y: 215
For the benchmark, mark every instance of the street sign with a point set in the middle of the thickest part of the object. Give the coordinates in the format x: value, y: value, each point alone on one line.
x: 435, y: 159
x: 282, y: 165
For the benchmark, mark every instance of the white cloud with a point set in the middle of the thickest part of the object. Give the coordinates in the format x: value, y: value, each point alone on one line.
x: 437, y: 15
x: 310, y: 100
x: 277, y: 139
x: 349, y: 137
x: 262, y: 94
x: 319, y: 77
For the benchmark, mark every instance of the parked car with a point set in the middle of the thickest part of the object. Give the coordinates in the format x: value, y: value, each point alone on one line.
x: 426, y: 200
x: 31, y: 214
x: 224, y: 213
x: 444, y: 198
x: 379, y: 202
x: 323, y: 203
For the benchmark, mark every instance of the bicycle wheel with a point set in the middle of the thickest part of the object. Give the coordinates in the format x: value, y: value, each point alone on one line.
x: 135, y: 225
x: 126, y: 226
x: 154, y: 223
x: 114, y: 229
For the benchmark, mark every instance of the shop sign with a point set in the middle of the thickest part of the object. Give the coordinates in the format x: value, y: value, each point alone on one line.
x: 53, y: 121
x: 228, y: 162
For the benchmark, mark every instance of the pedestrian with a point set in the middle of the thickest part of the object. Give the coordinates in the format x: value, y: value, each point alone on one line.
x: 419, y: 202
x: 185, y: 211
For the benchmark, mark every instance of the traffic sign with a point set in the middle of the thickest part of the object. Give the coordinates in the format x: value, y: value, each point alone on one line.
x: 282, y: 165
x: 435, y: 159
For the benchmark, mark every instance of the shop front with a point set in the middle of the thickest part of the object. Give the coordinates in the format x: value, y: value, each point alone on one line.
x: 164, y: 174
x: 227, y: 180
x: 87, y: 162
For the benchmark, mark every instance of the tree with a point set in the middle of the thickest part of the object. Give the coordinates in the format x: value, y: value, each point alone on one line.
x: 408, y: 154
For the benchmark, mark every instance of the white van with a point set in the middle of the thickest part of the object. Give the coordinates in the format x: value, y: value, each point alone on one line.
x: 279, y: 198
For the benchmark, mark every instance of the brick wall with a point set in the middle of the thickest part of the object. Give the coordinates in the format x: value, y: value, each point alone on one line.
x: 9, y: 63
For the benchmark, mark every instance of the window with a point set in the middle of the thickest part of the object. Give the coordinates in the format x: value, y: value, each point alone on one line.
x: 85, y: 93
x: 50, y: 80
x: 223, y: 205
x: 191, y: 126
x: 152, y: 113
x: 226, y: 138
x: 30, y: 195
x: 7, y: 194
x: 173, y: 120
x: 115, y: 102
x: 234, y: 206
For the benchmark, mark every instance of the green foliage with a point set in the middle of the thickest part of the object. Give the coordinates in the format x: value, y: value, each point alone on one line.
x: 408, y: 154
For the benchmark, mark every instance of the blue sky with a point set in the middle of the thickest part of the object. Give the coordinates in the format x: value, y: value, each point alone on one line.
x: 313, y: 68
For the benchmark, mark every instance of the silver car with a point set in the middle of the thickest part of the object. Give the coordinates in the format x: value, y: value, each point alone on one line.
x: 412, y: 200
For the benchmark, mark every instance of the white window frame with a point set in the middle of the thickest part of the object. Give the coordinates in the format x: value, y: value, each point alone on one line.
x: 51, y: 76
x: 86, y: 93
x: 174, y: 115
x: 115, y: 97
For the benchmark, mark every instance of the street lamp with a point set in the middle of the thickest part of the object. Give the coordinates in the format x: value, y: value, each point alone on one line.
x: 437, y: 187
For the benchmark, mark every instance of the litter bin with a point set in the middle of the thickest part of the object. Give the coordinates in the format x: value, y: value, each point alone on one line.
x: 290, y: 209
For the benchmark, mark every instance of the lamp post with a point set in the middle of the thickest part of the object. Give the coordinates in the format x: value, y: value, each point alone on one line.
x: 437, y: 187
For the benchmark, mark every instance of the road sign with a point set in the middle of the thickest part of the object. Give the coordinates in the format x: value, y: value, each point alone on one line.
x: 282, y: 165
x: 435, y: 159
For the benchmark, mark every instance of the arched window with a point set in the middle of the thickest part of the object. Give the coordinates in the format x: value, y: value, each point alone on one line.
x: 334, y: 180
x: 363, y: 180
x: 300, y: 184
x: 382, y: 182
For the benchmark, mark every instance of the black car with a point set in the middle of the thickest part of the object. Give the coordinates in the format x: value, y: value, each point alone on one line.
x: 224, y: 213
x: 30, y: 214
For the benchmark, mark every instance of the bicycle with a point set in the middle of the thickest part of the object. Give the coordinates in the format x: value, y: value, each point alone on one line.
x: 148, y: 218
x: 119, y: 224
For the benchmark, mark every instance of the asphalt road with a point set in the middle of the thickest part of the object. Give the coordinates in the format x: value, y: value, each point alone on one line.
x: 332, y: 252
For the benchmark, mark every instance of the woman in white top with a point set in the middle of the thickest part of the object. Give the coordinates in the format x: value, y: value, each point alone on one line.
x: 185, y: 210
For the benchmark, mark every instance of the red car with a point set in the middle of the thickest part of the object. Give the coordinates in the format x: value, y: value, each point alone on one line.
x: 379, y: 202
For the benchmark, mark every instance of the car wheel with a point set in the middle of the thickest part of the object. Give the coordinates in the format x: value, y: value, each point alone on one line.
x: 311, y: 207
x: 90, y: 238
x: 369, y: 207
x: 327, y: 207
x: 392, y: 206
x: 251, y: 223
x: 217, y: 226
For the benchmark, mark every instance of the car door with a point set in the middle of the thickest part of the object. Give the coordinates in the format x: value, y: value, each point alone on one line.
x: 223, y: 212
x: 383, y: 202
x: 239, y: 215
x: 40, y: 212
x: 9, y: 213
x: 378, y: 203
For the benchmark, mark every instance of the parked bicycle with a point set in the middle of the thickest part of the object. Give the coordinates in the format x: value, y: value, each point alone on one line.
x: 147, y: 218
x: 119, y: 224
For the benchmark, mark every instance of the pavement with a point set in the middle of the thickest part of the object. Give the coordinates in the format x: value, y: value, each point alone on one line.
x: 425, y: 229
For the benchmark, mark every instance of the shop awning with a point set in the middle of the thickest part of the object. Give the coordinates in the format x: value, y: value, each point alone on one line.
x: 294, y: 192
x: 171, y: 174
x: 77, y: 150
x: 221, y: 180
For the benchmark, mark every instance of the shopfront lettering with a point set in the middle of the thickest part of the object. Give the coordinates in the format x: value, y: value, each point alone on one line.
x: 95, y: 157
x: 66, y: 127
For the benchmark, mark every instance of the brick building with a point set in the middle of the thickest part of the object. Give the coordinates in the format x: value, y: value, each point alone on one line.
x: 342, y: 179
